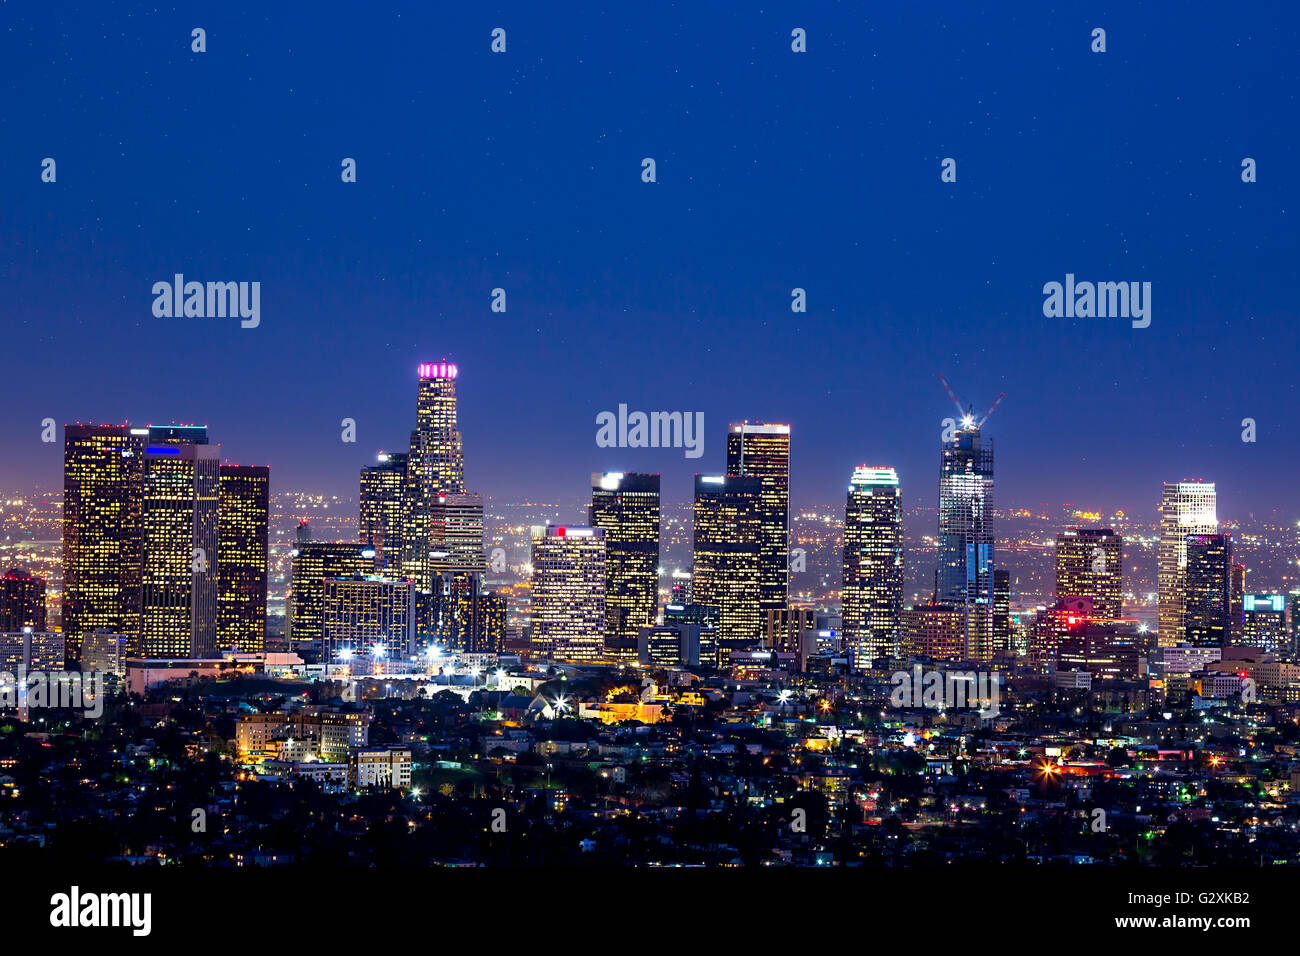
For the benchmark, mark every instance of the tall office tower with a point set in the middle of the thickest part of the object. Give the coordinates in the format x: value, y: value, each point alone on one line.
x: 103, y: 467
x: 180, y: 553
x: 872, y: 593
x: 728, y: 546
x: 1186, y: 507
x: 964, y: 578
x: 436, y: 465
x: 382, y: 488
x: 1264, y: 622
x: 436, y: 427
x: 1236, y: 600
x: 1002, y: 611
x: 367, y: 615
x: 242, y: 517
x: 626, y: 508
x: 1090, y: 563
x: 22, y: 601
x: 568, y: 593
x: 302, y: 532
x: 1207, y: 602
x: 763, y: 452
x: 313, y: 563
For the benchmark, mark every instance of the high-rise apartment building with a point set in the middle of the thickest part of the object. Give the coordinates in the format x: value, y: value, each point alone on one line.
x: 727, y: 553
x: 626, y: 508
x: 243, y: 511
x: 568, y: 593
x: 763, y: 451
x: 1186, y: 508
x: 1090, y: 563
x: 872, y: 592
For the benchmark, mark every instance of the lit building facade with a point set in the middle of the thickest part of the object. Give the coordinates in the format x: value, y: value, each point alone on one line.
x: 1186, y: 508
x: 626, y: 508
x: 1090, y: 563
x: 568, y: 593
x: 964, y: 577
x: 435, y: 466
x: 727, y: 554
x: 763, y: 451
x: 242, y: 518
x: 872, y: 589
x: 313, y: 563
x: 1264, y: 623
x: 1207, y: 603
x: 381, y: 508
x: 22, y: 601
x: 179, y: 580
x: 936, y: 631
x: 103, y: 468
x: 367, y: 615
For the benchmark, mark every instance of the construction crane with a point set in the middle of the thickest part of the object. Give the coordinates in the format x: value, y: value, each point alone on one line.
x: 968, y: 415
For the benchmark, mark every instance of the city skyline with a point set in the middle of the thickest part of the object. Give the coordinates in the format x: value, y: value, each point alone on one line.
x: 636, y: 441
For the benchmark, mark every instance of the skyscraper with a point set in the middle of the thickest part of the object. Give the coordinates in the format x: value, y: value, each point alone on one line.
x: 872, y: 592
x: 626, y: 508
x: 763, y: 452
x: 242, y: 518
x: 313, y: 563
x: 102, y: 487
x: 436, y: 465
x: 568, y: 593
x: 1090, y: 563
x: 382, y: 488
x: 1186, y: 508
x: 964, y: 578
x: 180, y: 553
x: 727, y: 553
x: 1207, y: 603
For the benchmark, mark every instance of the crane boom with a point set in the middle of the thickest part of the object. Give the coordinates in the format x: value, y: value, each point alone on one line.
x: 990, y: 411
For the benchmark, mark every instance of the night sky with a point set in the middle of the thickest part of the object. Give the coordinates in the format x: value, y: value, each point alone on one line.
x: 522, y: 170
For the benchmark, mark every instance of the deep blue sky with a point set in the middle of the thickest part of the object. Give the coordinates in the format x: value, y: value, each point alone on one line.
x: 776, y: 170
